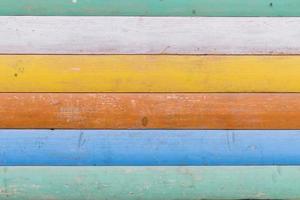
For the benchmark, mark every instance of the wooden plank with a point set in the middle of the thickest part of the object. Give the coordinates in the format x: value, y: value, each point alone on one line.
x: 151, y: 7
x: 148, y: 147
x: 148, y: 111
x: 161, y: 183
x: 148, y: 73
x: 149, y: 35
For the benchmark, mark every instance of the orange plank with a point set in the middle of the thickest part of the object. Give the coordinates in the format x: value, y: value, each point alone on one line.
x: 142, y: 111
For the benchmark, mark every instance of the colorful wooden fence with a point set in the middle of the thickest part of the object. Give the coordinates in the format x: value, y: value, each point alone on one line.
x: 113, y: 99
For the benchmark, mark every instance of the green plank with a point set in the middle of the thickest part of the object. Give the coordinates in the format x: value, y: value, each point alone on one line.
x: 149, y: 183
x: 151, y: 7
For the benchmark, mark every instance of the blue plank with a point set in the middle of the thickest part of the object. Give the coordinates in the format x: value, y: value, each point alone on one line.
x: 148, y: 147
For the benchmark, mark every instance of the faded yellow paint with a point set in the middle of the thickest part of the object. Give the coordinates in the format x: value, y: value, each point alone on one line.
x: 149, y: 73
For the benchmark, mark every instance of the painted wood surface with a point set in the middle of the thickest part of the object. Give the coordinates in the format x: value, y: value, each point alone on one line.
x: 149, y: 35
x: 149, y: 111
x: 148, y: 147
x: 148, y: 73
x: 149, y: 183
x: 151, y: 7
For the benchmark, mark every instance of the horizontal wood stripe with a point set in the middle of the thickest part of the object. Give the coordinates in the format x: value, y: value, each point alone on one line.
x: 149, y: 35
x: 161, y: 183
x: 148, y: 111
x: 147, y: 147
x: 148, y: 73
x: 151, y: 7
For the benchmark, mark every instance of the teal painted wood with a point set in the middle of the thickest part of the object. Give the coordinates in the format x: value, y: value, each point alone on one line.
x: 149, y: 183
x: 151, y: 7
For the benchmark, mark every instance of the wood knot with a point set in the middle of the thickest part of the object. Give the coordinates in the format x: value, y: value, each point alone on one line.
x: 145, y: 121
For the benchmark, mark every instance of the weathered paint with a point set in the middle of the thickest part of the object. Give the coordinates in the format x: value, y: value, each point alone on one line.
x: 148, y: 111
x: 149, y: 35
x: 149, y: 183
x: 148, y: 73
x: 148, y: 147
x: 151, y: 7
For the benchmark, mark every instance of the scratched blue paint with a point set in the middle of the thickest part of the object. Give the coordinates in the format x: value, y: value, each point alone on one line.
x: 148, y: 147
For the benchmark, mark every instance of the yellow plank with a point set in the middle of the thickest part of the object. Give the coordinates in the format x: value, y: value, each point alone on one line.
x: 149, y: 73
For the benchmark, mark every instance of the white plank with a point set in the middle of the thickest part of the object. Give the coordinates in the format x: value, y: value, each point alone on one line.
x: 149, y: 35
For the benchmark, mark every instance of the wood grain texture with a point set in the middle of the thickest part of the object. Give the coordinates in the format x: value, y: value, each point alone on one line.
x: 148, y: 147
x: 148, y: 111
x: 148, y: 73
x: 149, y: 35
x: 151, y: 7
x: 149, y: 183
